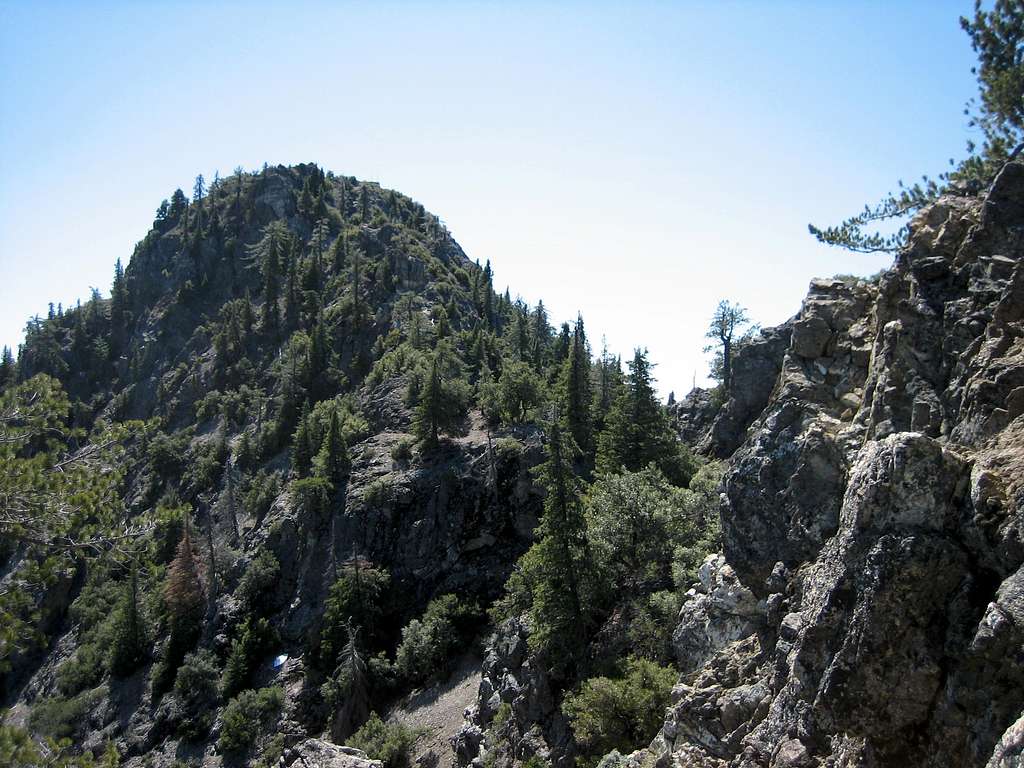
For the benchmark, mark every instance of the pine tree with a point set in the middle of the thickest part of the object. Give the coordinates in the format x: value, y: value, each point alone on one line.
x: 302, y: 444
x: 576, y: 391
x: 268, y: 254
x: 291, y: 297
x: 540, y: 336
x: 562, y: 345
x: 333, y: 460
x: 725, y: 331
x: 319, y: 360
x: 128, y: 638
x: 178, y: 207
x: 558, y: 565
x: 442, y: 405
x: 8, y: 368
x: 339, y: 253
x: 608, y: 386
x: 638, y: 433
x: 198, y: 190
x: 357, y: 277
x: 488, y: 297
x: 184, y: 598
x: 353, y: 687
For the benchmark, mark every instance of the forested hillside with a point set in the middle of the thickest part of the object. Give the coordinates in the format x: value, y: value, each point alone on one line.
x: 320, y: 443
x: 306, y: 491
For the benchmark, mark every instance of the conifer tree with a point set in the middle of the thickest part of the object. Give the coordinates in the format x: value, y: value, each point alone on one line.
x: 352, y: 682
x: 637, y: 431
x: 488, y: 297
x: 539, y: 336
x: 726, y: 330
x: 178, y: 207
x: 184, y: 598
x: 118, y: 307
x: 357, y: 276
x: 129, y: 644
x: 608, y: 386
x: 7, y: 368
x: 576, y: 391
x: 291, y: 297
x: 268, y: 253
x: 339, y: 253
x: 442, y: 404
x: 198, y: 190
x: 558, y: 565
x: 562, y: 344
x: 303, y: 444
x: 333, y: 460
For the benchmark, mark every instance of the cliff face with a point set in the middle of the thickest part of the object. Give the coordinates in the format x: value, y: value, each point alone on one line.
x: 869, y: 607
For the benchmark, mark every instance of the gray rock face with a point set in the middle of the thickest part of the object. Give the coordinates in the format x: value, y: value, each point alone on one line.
x: 694, y: 415
x: 315, y: 753
x: 869, y: 608
x: 755, y: 369
x: 716, y: 428
x: 515, y: 716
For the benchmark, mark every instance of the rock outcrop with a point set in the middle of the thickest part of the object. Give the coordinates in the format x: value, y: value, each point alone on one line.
x: 316, y: 753
x: 516, y: 714
x: 869, y: 607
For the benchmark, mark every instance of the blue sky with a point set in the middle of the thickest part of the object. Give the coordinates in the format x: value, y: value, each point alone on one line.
x: 637, y: 162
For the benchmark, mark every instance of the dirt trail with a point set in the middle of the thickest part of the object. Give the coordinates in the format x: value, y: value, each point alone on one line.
x: 438, y: 710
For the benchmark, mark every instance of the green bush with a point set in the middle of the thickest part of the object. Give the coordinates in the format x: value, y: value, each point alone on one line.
x: 259, y: 493
x: 83, y: 670
x: 195, y: 685
x: 255, y: 639
x: 508, y: 449
x: 653, y: 619
x: 166, y: 453
x: 402, y: 450
x: 391, y: 743
x: 246, y: 715
x: 623, y: 713
x: 60, y: 717
x: 427, y: 643
x: 256, y: 589
x: 357, y: 595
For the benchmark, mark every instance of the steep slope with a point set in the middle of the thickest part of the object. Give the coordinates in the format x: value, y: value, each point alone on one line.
x: 246, y: 325
x: 869, y: 609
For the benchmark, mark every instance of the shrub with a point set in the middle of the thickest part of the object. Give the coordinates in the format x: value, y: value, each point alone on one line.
x: 255, y: 639
x: 166, y: 453
x: 59, y: 717
x: 260, y: 493
x: 255, y: 591
x: 427, y: 643
x: 356, y: 595
x: 391, y: 743
x: 195, y: 685
x: 83, y: 670
x: 272, y: 753
x: 402, y: 450
x: 621, y: 714
x: 245, y: 716
x: 653, y: 619
x: 508, y: 449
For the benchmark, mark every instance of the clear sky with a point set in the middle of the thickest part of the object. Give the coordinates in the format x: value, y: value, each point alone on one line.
x: 634, y: 161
